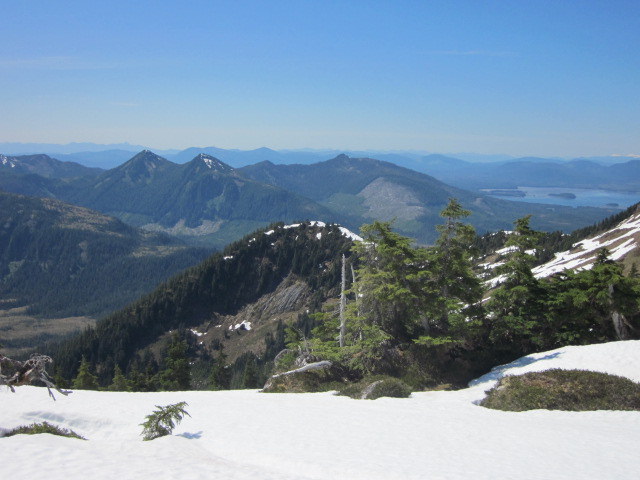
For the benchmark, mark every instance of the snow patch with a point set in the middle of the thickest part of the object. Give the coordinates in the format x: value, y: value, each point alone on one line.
x: 5, y: 161
x: 317, y: 223
x: 244, y: 325
x: 619, y: 241
x: 245, y: 434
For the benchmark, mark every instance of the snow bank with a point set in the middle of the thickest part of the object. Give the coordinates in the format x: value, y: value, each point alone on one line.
x: 616, y: 358
x: 252, y: 435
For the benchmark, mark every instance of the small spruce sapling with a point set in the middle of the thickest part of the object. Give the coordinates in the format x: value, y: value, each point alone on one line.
x: 163, y: 420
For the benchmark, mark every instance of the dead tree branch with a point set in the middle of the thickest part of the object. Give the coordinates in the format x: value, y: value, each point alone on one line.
x: 24, y: 373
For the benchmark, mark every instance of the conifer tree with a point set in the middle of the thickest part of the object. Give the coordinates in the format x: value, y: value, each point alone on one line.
x: 163, y: 420
x: 517, y: 305
x: 389, y: 280
x: 452, y: 289
x: 176, y: 375
x: 119, y: 382
x: 85, y: 380
x: 616, y: 296
x: 250, y: 373
x: 220, y: 377
x: 595, y: 305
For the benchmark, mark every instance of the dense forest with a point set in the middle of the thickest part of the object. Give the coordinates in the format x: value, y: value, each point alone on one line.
x: 62, y: 260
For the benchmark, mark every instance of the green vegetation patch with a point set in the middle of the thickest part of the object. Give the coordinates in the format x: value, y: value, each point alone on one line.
x: 44, y: 427
x: 309, y: 381
x: 574, y: 390
x: 371, y: 388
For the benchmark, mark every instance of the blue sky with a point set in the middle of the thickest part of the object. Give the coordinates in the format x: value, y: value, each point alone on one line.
x: 549, y: 78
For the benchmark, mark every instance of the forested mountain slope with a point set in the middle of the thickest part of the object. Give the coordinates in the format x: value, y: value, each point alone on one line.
x: 240, y: 293
x: 204, y: 201
x: 201, y: 197
x: 60, y: 260
x: 45, y: 166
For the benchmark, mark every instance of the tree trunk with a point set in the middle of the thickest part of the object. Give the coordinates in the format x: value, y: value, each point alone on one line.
x: 343, y: 303
x: 620, y: 324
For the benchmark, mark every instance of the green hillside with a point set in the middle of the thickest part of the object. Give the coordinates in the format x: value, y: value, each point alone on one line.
x: 57, y: 259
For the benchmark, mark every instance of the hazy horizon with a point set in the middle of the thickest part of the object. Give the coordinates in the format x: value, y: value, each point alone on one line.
x: 23, y: 148
x: 541, y: 78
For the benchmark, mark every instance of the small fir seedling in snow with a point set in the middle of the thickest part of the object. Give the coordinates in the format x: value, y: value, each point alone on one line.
x: 162, y: 421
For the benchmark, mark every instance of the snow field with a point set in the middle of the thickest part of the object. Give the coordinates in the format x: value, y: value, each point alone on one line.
x: 248, y: 434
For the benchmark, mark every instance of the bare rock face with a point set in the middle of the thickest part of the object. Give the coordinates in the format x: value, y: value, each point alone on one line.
x: 245, y: 331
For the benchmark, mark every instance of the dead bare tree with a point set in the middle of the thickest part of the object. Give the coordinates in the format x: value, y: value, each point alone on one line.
x: 343, y: 303
x: 24, y: 373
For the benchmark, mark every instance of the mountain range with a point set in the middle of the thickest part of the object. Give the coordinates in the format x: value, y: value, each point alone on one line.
x: 209, y: 202
x: 534, y: 172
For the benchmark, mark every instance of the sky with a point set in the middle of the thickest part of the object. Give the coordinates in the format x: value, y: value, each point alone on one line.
x: 546, y: 78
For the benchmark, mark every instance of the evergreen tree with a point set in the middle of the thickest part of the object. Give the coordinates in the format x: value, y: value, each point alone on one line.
x: 595, y: 305
x: 119, y: 382
x: 163, y: 420
x: 85, y: 380
x: 517, y: 305
x: 390, y: 280
x: 176, y: 374
x: 250, y: 373
x: 452, y: 290
x: 220, y: 377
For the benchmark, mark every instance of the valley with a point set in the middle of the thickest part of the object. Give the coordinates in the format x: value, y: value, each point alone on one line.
x: 20, y: 332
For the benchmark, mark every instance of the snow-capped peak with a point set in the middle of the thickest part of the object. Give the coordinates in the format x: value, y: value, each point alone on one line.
x: 213, y: 163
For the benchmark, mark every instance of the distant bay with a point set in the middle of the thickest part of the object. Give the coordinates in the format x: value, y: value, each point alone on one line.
x: 571, y: 197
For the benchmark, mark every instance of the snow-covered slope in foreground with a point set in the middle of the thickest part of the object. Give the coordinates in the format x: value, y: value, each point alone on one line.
x: 251, y: 435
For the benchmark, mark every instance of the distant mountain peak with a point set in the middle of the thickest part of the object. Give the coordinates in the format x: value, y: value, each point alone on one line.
x: 212, y: 163
x: 146, y: 154
x: 142, y: 166
x: 148, y: 158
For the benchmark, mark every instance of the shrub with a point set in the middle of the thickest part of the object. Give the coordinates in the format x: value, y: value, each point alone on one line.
x: 375, y: 387
x: 162, y: 421
x: 576, y: 390
x: 44, y: 427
